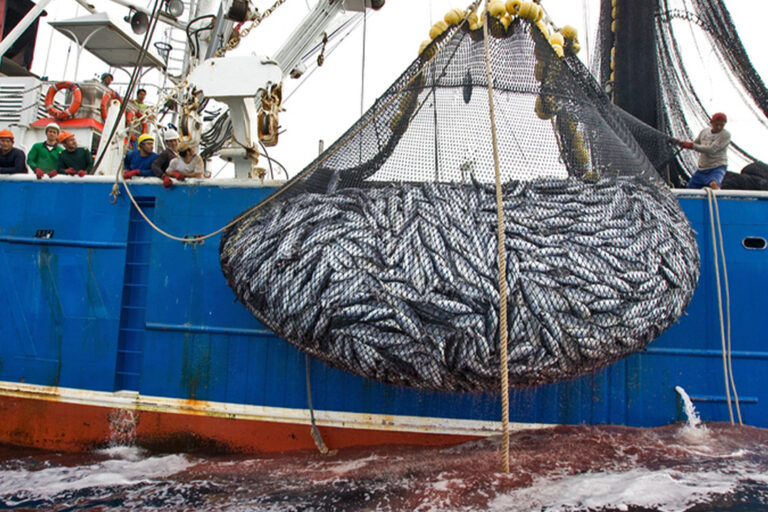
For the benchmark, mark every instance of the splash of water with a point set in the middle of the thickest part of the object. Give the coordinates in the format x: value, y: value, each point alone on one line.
x: 694, y: 421
x: 694, y: 432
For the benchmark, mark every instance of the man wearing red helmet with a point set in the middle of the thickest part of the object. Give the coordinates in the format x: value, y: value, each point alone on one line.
x: 712, y: 143
x: 11, y: 158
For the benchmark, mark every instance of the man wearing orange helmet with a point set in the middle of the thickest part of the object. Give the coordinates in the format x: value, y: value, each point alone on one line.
x: 74, y: 160
x: 11, y: 158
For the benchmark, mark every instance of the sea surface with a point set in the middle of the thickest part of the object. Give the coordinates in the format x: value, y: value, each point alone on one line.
x: 684, y: 467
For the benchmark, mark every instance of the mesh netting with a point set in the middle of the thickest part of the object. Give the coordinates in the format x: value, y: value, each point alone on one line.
x: 649, y: 54
x: 381, y: 257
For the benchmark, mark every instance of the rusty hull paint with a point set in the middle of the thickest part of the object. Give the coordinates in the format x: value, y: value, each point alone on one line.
x: 69, y: 427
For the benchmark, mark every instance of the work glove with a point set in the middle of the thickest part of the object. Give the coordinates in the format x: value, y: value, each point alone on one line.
x: 70, y: 171
x: 39, y: 173
x: 53, y: 173
x: 178, y: 175
x: 167, y: 183
x: 686, y: 145
x: 81, y: 173
x: 130, y: 174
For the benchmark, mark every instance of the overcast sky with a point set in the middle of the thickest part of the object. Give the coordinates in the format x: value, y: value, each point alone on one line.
x: 325, y: 106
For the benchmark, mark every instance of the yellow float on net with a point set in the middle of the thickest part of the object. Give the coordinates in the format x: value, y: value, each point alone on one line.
x: 576, y: 47
x: 474, y: 22
x: 581, y: 155
x: 558, y: 50
x: 506, y: 20
x: 454, y: 16
x: 424, y: 45
x: 545, y: 107
x: 557, y: 39
x: 437, y: 29
x: 570, y: 32
x: 497, y: 8
x: 513, y: 7
x: 544, y: 28
x: 527, y: 11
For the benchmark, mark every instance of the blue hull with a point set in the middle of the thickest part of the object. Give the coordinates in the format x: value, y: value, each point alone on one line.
x: 93, y: 299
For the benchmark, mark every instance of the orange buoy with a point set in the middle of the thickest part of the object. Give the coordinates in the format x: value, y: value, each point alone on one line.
x: 108, y: 96
x: 69, y: 112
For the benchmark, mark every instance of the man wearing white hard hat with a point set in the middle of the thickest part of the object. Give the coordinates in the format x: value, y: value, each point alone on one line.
x: 43, y: 157
x: 171, y: 138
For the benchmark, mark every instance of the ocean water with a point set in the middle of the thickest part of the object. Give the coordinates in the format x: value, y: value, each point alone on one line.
x: 684, y: 467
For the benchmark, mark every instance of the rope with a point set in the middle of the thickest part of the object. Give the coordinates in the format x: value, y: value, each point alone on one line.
x: 340, y: 143
x: 725, y: 333
x: 502, y: 258
x: 316, y: 437
x: 165, y: 233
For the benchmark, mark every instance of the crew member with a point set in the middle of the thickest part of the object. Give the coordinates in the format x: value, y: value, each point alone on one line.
x: 141, y: 95
x: 712, y: 143
x: 11, y: 158
x: 74, y: 160
x: 160, y: 164
x: 43, y: 157
x: 186, y: 165
x: 139, y: 161
x: 106, y: 79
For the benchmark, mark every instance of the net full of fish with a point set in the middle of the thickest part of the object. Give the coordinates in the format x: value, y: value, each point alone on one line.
x: 399, y: 283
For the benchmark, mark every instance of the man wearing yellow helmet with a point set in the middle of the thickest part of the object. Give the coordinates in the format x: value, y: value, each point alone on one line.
x: 139, y: 161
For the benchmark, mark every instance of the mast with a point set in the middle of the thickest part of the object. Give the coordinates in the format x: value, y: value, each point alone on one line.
x: 636, y: 81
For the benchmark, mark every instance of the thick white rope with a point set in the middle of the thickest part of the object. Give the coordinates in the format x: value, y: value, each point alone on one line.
x: 502, y: 257
x: 714, y: 220
x: 727, y: 307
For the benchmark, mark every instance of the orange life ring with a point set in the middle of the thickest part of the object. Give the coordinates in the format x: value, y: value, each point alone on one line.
x: 77, y: 99
x: 130, y: 115
x: 108, y: 96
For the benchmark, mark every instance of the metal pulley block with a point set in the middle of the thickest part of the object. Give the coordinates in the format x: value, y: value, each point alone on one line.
x: 268, y: 122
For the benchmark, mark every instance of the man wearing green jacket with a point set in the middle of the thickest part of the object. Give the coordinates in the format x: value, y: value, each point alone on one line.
x: 74, y: 160
x: 43, y: 157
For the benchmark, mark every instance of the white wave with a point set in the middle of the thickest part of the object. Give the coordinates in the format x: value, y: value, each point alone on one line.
x: 51, y: 481
x: 662, y: 490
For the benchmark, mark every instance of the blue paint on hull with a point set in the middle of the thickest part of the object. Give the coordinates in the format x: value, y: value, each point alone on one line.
x: 106, y: 303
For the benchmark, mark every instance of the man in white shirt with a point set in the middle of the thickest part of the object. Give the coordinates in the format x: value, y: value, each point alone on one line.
x: 713, y: 144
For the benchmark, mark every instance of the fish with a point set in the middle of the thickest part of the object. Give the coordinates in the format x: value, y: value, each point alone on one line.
x: 400, y: 282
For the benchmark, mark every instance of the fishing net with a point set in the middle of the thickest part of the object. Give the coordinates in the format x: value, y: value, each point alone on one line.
x: 381, y: 257
x: 663, y: 94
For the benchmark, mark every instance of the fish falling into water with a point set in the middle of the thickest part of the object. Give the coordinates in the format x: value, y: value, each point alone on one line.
x: 400, y: 283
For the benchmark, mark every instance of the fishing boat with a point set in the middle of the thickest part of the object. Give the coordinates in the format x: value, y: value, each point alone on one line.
x: 115, y: 333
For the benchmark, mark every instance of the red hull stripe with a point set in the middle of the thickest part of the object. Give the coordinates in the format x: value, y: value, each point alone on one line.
x: 79, y: 420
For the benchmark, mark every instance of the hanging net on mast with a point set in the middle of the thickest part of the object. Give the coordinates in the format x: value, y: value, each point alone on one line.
x: 381, y: 257
x: 688, y: 35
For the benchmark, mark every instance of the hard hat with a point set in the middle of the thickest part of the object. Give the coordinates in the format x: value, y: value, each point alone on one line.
x: 720, y: 117
x: 144, y: 137
x: 64, y: 135
x: 171, y: 135
x: 105, y: 75
x: 53, y: 126
x: 6, y: 134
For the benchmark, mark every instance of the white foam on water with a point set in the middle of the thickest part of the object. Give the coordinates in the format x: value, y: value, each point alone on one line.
x: 121, y: 471
x: 662, y: 490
